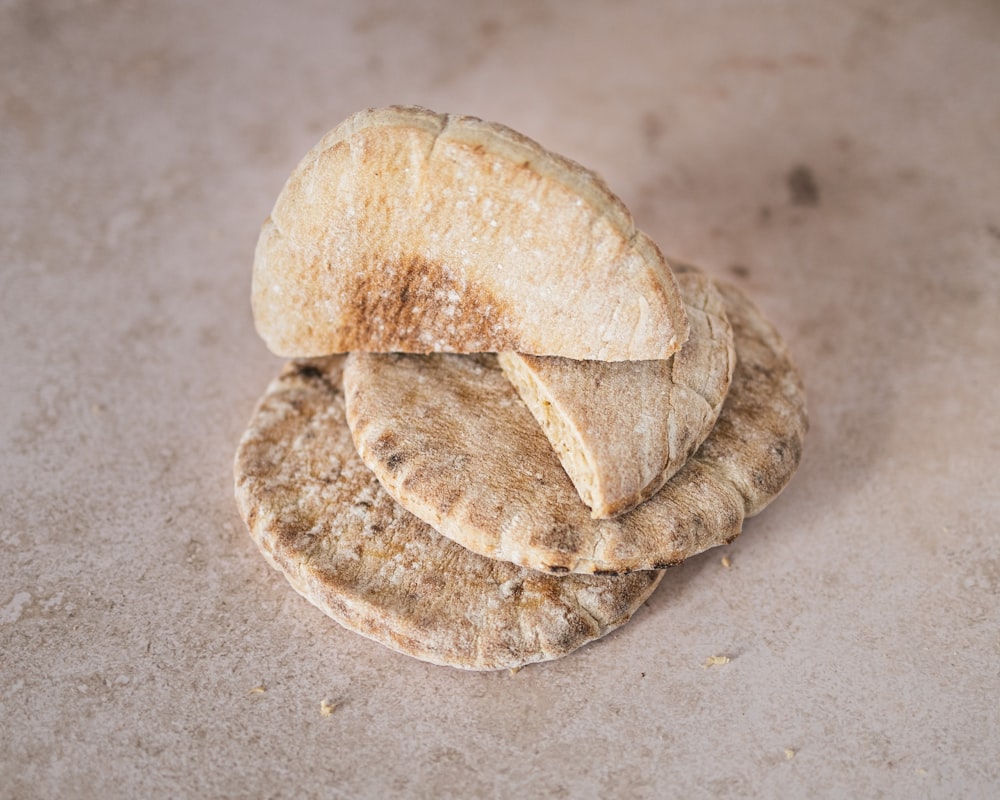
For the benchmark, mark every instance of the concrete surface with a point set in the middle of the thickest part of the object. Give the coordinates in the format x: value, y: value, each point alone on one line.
x: 841, y: 161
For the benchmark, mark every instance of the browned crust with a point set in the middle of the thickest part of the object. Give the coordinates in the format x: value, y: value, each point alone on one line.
x: 409, y: 231
x: 320, y: 517
x: 464, y: 454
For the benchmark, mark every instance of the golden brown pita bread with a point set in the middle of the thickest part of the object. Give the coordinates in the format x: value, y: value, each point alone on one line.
x: 451, y: 440
x: 320, y: 517
x: 622, y: 429
x: 409, y: 231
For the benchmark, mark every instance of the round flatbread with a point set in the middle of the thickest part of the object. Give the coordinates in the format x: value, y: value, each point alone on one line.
x: 320, y: 517
x: 622, y: 429
x: 450, y: 439
x: 403, y: 230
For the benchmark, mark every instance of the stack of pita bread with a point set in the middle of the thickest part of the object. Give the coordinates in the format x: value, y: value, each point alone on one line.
x: 505, y: 415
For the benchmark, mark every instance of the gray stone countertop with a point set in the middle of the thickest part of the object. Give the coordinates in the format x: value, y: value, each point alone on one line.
x: 839, y: 161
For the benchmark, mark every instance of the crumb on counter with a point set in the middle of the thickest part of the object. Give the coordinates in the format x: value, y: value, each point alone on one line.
x: 326, y: 708
x: 715, y: 661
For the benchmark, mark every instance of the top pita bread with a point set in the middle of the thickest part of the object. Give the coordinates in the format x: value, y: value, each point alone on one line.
x: 449, y: 439
x: 621, y: 429
x: 319, y: 515
x: 403, y: 230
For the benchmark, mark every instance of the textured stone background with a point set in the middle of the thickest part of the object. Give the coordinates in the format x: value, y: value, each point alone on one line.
x: 839, y: 161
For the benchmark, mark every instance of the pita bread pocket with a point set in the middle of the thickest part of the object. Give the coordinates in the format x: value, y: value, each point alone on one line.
x: 404, y: 230
x: 450, y: 439
x: 320, y: 517
x: 622, y: 429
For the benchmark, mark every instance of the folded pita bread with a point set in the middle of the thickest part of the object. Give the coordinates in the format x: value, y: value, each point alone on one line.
x: 622, y: 429
x: 320, y: 517
x: 450, y: 439
x: 409, y: 231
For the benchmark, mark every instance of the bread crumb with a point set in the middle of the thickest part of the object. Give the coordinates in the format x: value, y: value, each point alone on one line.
x: 789, y: 753
x: 920, y: 771
x: 258, y: 689
x: 515, y: 670
x: 726, y: 562
x: 715, y: 661
x: 326, y: 708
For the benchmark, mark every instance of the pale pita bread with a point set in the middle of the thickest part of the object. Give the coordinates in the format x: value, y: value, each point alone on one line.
x: 450, y: 439
x: 320, y: 517
x: 622, y: 429
x: 409, y: 231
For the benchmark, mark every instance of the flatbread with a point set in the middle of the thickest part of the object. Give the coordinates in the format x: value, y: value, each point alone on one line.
x: 403, y: 230
x: 622, y: 429
x: 450, y: 439
x: 320, y: 517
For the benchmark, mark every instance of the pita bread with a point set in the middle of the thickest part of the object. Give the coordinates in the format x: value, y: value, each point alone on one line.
x: 450, y: 439
x: 320, y: 517
x: 409, y: 231
x: 622, y: 429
